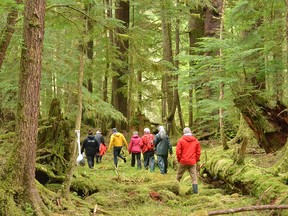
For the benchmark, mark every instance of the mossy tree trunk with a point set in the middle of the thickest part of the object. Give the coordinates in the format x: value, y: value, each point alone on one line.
x: 23, y: 163
x: 269, y: 124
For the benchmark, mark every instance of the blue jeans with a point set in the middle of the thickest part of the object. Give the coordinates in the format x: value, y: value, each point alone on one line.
x: 117, y: 153
x: 163, y: 163
x: 149, y: 160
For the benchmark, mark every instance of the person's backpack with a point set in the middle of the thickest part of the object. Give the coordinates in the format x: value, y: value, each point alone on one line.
x: 102, y: 149
x: 150, y: 144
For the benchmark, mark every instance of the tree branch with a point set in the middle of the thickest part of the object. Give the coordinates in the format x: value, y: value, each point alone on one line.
x: 248, y: 208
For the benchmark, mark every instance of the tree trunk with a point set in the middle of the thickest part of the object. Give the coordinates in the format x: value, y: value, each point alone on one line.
x: 168, y: 90
x: 119, y: 101
x: 269, y: 124
x: 109, y: 42
x: 73, y: 151
x: 221, y: 87
x: 286, y: 35
x: 28, y: 105
x: 177, y: 51
x: 8, y: 31
x: 196, y: 31
x: 90, y: 44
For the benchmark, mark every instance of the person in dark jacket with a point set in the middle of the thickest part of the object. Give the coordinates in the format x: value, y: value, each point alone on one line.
x: 162, y: 145
x: 99, y: 137
x: 135, y: 149
x: 188, y: 151
x: 91, y: 146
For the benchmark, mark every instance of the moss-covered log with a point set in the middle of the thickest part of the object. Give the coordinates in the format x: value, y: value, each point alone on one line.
x: 249, y: 179
x: 269, y: 124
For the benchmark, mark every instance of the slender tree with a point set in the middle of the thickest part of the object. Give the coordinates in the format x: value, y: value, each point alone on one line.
x: 177, y: 51
x: 8, y: 30
x: 73, y: 149
x: 221, y: 87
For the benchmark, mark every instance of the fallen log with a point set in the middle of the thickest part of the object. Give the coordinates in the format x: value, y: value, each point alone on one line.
x: 269, y: 123
x: 249, y: 179
x: 249, y: 208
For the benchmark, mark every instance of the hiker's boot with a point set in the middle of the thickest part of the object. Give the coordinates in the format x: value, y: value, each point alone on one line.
x: 195, y: 188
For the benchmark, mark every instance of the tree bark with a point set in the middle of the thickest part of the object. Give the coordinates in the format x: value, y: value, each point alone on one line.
x: 119, y: 88
x: 168, y: 90
x: 28, y: 104
x: 177, y: 51
x: 196, y: 31
x: 8, y: 31
x: 221, y: 87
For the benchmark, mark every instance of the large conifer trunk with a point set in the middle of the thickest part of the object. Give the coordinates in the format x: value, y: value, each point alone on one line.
x: 119, y: 99
x: 269, y: 124
x: 28, y: 106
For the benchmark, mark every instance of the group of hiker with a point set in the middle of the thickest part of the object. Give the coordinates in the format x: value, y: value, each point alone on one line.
x: 188, y: 151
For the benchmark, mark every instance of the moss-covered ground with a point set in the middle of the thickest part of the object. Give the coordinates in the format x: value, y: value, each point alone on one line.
x: 130, y: 191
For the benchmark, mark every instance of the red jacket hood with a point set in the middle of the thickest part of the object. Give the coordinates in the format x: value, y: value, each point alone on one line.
x: 189, y: 138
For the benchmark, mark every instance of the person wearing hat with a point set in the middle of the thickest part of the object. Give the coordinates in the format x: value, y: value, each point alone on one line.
x: 188, y: 151
x: 99, y: 137
x: 117, y: 141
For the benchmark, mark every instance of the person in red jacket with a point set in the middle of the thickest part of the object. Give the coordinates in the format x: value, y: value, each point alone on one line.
x: 147, y: 148
x: 188, y: 151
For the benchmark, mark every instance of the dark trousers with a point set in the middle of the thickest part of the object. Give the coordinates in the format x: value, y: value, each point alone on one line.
x: 90, y: 160
x: 149, y: 160
x: 117, y: 153
x: 163, y: 163
x: 98, y: 158
x: 133, y: 160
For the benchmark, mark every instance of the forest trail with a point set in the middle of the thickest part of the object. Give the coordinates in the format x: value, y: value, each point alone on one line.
x: 129, y: 191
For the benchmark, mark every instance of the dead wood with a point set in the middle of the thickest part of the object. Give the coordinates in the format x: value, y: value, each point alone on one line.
x: 249, y: 179
x: 249, y: 208
x: 269, y: 124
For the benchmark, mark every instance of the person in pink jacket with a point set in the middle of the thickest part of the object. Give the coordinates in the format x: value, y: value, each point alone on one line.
x: 135, y: 149
x: 188, y: 151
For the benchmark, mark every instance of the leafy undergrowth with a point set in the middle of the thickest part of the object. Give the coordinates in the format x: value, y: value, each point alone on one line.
x: 129, y: 191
